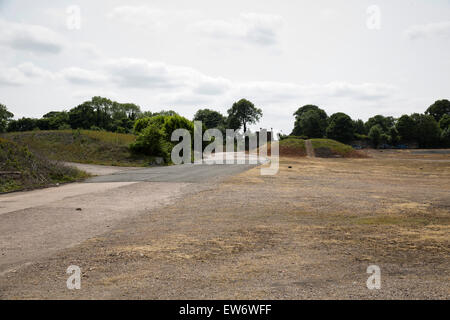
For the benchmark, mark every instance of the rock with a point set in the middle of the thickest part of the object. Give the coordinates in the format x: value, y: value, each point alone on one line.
x: 78, y: 209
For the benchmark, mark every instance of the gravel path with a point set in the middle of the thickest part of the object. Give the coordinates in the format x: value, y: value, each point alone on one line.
x: 309, y: 149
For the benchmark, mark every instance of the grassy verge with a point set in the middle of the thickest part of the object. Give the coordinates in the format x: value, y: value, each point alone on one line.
x: 292, y: 147
x: 82, y: 146
x: 327, y: 148
x: 20, y: 169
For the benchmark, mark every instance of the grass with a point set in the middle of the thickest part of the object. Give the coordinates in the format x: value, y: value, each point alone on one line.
x: 331, y: 148
x: 82, y: 146
x: 21, y: 169
x: 292, y: 147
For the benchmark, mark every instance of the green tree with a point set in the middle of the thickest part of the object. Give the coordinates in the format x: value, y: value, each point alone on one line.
x: 385, y: 123
x: 301, y: 127
x: 210, y: 118
x: 375, y: 135
x: 445, y: 136
x: 394, y: 137
x: 444, y: 123
x: 340, y: 128
x: 406, y: 128
x: 5, y: 117
x: 311, y: 124
x: 55, y: 120
x: 244, y: 112
x: 428, y: 132
x: 23, y: 124
x: 359, y: 127
x: 439, y: 109
x: 83, y: 116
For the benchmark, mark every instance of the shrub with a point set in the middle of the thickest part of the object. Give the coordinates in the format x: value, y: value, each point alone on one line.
x: 155, y: 138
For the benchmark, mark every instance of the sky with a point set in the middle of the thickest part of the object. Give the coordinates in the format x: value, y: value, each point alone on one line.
x: 354, y: 56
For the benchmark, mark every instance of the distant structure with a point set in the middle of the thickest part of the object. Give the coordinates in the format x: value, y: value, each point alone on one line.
x: 269, y: 138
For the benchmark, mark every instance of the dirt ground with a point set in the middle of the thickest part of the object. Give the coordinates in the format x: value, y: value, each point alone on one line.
x: 309, y: 232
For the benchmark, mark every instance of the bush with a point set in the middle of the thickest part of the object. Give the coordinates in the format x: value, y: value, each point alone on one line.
x: 150, y: 142
x: 155, y: 138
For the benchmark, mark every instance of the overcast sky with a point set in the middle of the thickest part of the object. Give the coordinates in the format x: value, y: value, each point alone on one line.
x: 355, y: 56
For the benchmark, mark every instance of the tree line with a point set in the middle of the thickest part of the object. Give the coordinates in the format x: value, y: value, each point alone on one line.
x: 427, y: 130
x: 430, y: 129
x: 104, y: 114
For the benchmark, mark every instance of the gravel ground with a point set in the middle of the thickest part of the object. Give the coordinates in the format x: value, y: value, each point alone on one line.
x: 309, y: 232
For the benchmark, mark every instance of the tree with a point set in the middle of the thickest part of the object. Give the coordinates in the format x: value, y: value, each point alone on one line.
x: 406, y: 128
x: 341, y: 128
x: 444, y: 123
x: 311, y: 124
x: 54, y: 120
x: 321, y: 123
x: 83, y: 116
x: 244, y: 112
x: 210, y: 118
x: 375, y: 135
x: 23, y: 124
x: 103, y: 110
x: 445, y: 136
x: 385, y: 123
x: 359, y: 127
x: 5, y: 117
x: 439, y: 109
x: 393, y: 136
x: 428, y: 132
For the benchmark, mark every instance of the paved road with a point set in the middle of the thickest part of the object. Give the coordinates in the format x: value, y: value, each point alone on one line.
x: 195, y: 173
x: 38, y: 223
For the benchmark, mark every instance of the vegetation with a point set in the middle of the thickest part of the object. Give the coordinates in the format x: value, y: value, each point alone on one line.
x: 341, y: 128
x: 310, y: 121
x: 331, y: 148
x: 83, y: 146
x: 5, y: 117
x: 428, y: 130
x: 211, y: 119
x: 103, y: 131
x: 242, y: 113
x: 292, y: 147
x: 439, y: 109
x: 155, y: 135
x: 21, y: 169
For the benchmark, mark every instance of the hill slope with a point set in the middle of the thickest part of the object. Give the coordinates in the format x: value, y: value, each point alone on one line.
x: 20, y: 169
x: 292, y: 147
x: 82, y: 146
x: 328, y: 148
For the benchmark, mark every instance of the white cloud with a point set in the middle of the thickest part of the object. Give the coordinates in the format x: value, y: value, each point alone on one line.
x: 89, y: 49
x: 139, y: 73
x: 278, y: 92
x: 256, y: 28
x: 11, y: 77
x: 23, y: 74
x: 81, y: 76
x: 31, y: 38
x: 30, y: 70
x: 429, y: 30
x: 139, y: 16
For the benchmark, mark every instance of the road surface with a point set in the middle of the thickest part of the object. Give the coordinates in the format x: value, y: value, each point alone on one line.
x: 37, y: 223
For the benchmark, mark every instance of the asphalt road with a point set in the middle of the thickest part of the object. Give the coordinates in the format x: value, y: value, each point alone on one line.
x: 195, y: 173
x: 37, y: 223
